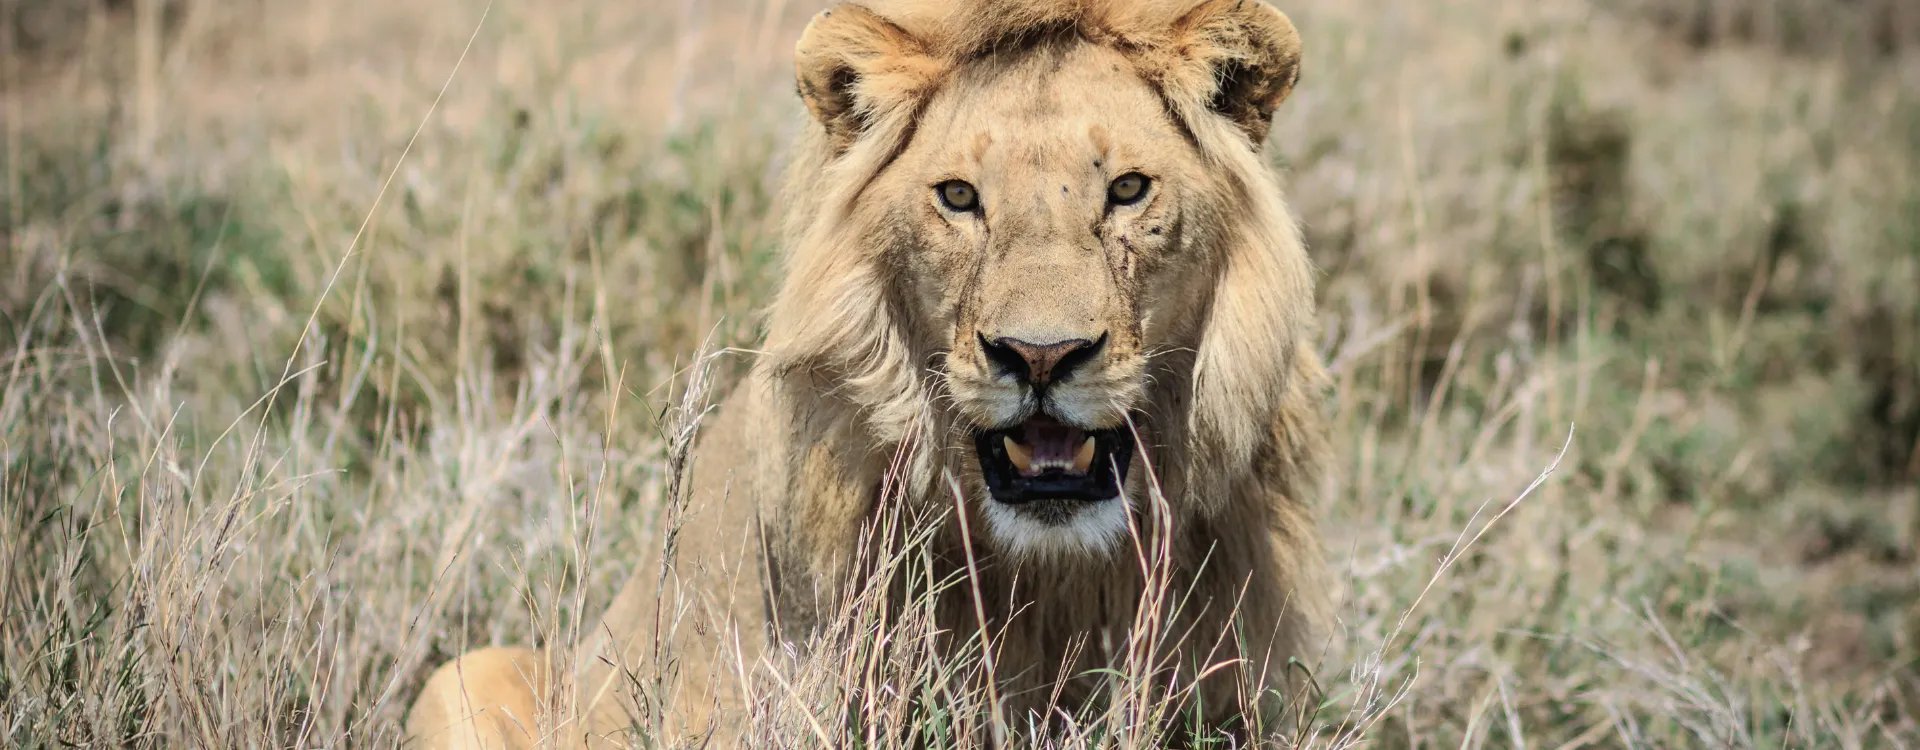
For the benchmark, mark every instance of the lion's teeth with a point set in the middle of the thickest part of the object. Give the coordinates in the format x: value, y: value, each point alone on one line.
x: 1021, y: 457
x: 1083, y: 460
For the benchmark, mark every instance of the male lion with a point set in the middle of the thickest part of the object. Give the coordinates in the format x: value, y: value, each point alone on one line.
x: 1044, y: 299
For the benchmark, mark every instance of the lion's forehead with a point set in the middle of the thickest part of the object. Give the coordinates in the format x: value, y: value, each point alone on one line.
x: 1066, y: 81
x: 1075, y: 110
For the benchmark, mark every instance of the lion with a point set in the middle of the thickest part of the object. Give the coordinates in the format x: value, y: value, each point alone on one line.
x: 1043, y: 296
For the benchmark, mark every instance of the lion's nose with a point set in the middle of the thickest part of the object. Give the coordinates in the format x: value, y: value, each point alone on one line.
x: 1041, y: 364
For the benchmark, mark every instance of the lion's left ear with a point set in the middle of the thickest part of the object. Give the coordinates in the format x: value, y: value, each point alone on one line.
x: 855, y: 68
x: 1243, y: 59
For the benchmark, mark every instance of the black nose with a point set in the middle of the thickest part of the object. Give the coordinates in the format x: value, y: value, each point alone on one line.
x: 1041, y: 364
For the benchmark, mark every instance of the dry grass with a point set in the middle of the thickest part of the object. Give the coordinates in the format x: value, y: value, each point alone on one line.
x: 287, y: 418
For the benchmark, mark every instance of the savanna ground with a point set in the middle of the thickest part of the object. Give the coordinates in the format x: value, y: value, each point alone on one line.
x: 337, y: 338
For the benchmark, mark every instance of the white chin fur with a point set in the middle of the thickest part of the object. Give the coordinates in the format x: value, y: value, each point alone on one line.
x: 1092, y: 531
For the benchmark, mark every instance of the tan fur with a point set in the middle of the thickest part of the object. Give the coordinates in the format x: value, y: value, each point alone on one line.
x: 873, y: 382
x: 484, y: 699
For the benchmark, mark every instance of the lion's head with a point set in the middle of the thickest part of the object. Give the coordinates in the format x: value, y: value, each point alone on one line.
x: 1036, y: 238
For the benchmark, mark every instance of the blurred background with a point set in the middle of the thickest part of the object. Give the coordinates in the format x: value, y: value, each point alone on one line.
x: 338, y: 338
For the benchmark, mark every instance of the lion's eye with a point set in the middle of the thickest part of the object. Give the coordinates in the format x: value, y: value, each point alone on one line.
x: 1127, y: 189
x: 957, y: 195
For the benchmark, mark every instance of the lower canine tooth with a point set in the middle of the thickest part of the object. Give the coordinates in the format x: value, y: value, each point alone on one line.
x: 1083, y: 460
x: 1018, y: 454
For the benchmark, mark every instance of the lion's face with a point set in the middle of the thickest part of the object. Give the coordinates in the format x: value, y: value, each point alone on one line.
x: 1048, y: 231
x: 1046, y: 255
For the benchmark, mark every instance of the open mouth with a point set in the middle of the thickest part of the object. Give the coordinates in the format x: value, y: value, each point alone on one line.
x: 1043, y: 459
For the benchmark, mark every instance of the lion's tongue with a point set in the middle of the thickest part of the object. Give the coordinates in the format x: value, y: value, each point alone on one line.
x: 1047, y: 444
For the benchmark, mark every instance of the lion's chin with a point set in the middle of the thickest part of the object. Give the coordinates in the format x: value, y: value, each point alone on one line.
x: 1056, y: 529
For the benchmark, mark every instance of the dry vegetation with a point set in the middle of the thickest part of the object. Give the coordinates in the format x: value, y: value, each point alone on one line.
x: 311, y: 377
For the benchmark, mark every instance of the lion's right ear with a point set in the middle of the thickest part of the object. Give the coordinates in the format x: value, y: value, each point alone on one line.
x: 856, y: 68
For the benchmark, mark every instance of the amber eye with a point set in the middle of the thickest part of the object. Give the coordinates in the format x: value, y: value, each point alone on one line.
x: 957, y: 195
x: 1127, y: 189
